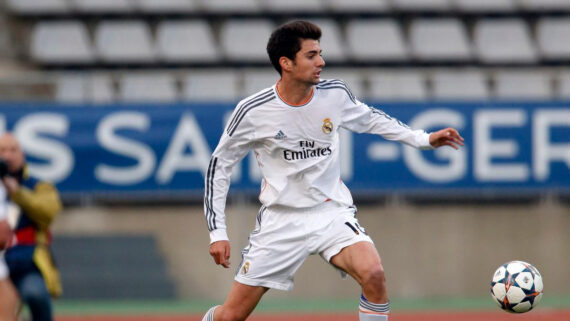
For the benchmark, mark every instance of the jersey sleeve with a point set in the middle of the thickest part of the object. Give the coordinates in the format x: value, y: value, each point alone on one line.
x: 361, y: 118
x: 233, y: 146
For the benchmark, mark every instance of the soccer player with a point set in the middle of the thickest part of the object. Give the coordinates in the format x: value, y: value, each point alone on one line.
x: 306, y: 208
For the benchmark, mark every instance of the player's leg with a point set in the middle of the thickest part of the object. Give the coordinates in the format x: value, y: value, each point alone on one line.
x: 362, y: 262
x: 34, y: 293
x: 239, y: 304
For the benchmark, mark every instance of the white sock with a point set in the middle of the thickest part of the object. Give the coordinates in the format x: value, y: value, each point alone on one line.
x: 368, y: 311
x: 209, y: 316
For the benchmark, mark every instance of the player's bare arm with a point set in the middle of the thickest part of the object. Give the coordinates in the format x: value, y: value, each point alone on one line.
x: 220, y: 251
x: 446, y: 137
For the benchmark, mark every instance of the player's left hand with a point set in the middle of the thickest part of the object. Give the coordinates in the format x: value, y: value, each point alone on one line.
x: 448, y: 136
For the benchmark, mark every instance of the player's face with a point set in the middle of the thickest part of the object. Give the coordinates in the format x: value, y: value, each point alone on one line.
x: 308, y: 62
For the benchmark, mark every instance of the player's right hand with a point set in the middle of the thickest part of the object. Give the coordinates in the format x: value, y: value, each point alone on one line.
x: 220, y: 251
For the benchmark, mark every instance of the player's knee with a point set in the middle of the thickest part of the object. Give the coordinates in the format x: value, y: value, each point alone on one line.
x: 232, y: 315
x: 375, y: 277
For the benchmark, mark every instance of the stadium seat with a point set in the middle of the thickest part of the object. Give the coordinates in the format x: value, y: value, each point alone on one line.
x: 421, y: 5
x: 124, y: 42
x: 553, y: 35
x: 485, y: 5
x: 439, y: 39
x: 61, y: 42
x: 358, y: 5
x: 375, y: 40
x: 563, y: 85
x: 102, y: 6
x: 37, y: 6
x: 100, y: 88
x: 233, y: 6
x: 167, y: 6
x: 186, y: 41
x: 148, y: 88
x: 353, y: 79
x: 292, y: 5
x: 71, y: 88
x: 459, y: 85
x: 332, y: 42
x: 246, y: 40
x: 256, y: 80
x: 504, y: 41
x: 539, y: 5
x: 85, y: 88
x: 522, y: 85
x: 396, y: 86
x: 211, y: 85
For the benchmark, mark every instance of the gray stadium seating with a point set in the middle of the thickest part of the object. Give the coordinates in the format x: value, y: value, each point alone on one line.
x: 245, y: 40
x: 211, y: 85
x: 352, y: 78
x: 217, y: 6
x: 563, y: 85
x: 124, y: 42
x: 70, y: 88
x: 256, y: 80
x: 358, y: 5
x: 37, y: 6
x: 553, y: 35
x: 167, y: 6
x: 148, y: 87
x: 419, y: 5
x: 504, y: 41
x: 292, y: 5
x: 332, y: 41
x: 398, y: 85
x: 376, y: 40
x: 459, y: 85
x: 102, y: 6
x: 61, y: 42
x: 439, y: 39
x: 522, y: 85
x: 485, y: 5
x: 186, y: 41
x: 86, y: 88
x: 539, y: 5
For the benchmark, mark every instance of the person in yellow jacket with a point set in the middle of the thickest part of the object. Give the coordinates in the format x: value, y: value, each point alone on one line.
x: 30, y: 263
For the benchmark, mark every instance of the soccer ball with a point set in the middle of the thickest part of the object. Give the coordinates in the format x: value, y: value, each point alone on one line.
x: 516, y: 287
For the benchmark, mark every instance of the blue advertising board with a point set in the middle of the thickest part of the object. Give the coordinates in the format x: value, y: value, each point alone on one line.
x: 510, y: 147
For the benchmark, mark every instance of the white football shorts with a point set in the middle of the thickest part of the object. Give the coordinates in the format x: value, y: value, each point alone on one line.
x: 284, y: 237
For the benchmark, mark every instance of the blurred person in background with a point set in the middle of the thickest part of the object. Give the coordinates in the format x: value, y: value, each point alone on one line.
x: 8, y: 295
x: 30, y: 263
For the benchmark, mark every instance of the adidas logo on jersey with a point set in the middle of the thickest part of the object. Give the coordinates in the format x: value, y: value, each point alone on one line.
x: 280, y: 135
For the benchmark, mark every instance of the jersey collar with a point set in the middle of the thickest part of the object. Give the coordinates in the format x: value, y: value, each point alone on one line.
x: 303, y: 103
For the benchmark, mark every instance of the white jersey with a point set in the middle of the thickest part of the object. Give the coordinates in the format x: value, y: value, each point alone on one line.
x: 297, y: 148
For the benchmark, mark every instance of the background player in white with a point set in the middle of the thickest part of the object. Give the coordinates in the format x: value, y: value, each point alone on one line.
x: 307, y: 209
x: 8, y: 294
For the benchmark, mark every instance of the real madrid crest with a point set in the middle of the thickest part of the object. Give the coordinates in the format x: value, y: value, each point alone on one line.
x: 327, y: 126
x: 245, y: 268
